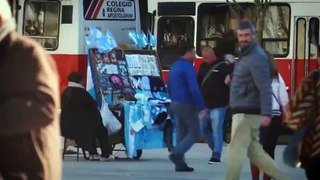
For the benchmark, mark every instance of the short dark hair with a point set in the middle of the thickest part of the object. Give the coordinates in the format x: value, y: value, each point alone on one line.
x: 273, y: 66
x: 186, y: 48
x: 75, y: 77
x: 246, y: 25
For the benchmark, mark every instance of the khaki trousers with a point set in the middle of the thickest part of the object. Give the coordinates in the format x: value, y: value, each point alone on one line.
x: 245, y: 142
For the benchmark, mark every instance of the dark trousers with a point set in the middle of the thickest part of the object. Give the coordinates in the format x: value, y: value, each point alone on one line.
x: 33, y: 155
x: 103, y: 138
x: 167, y: 134
x: 312, y: 169
x: 268, y: 138
x: 188, y: 127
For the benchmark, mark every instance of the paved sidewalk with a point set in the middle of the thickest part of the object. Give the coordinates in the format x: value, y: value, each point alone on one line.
x: 154, y: 165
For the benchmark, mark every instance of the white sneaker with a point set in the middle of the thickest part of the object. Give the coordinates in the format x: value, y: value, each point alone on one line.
x: 95, y: 157
x: 110, y: 158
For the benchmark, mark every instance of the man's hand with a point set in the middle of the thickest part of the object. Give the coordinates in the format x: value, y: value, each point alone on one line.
x: 227, y: 80
x: 202, y: 114
x: 286, y: 114
x: 265, y: 121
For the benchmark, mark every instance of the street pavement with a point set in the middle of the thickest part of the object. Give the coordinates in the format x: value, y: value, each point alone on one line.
x: 154, y: 165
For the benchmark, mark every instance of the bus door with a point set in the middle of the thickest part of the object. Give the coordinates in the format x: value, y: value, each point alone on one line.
x: 305, y: 41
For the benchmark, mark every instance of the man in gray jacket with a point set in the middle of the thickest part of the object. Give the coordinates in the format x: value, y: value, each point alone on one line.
x: 250, y: 101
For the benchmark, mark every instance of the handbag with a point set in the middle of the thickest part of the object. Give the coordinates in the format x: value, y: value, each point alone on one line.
x: 280, y: 106
x: 109, y: 120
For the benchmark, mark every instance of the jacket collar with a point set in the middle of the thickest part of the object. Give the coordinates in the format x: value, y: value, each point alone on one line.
x: 75, y: 85
x: 245, y: 51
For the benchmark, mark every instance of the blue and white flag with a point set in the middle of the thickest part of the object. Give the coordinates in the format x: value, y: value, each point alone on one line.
x: 152, y: 40
x: 103, y: 42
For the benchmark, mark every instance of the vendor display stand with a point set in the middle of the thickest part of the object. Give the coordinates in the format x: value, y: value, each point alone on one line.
x: 131, y: 82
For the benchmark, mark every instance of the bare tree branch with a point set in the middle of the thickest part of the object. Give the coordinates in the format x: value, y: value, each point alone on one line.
x: 257, y: 2
x: 233, y: 11
x: 266, y: 4
x: 238, y: 6
x: 282, y: 21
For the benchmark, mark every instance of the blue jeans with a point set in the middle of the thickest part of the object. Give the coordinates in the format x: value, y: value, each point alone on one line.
x: 212, y: 129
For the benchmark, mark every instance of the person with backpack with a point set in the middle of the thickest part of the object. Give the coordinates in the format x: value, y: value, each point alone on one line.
x: 211, y: 78
x: 269, y: 135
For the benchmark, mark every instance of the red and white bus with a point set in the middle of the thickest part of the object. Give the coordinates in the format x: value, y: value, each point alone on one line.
x: 291, y: 31
x: 61, y: 26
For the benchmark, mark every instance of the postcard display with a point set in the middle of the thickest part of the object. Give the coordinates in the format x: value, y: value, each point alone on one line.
x: 132, y: 78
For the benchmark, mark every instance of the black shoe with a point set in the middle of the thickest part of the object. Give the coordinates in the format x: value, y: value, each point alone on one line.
x: 180, y: 165
x: 170, y: 148
x: 214, y: 160
x: 184, y: 168
x: 176, y: 159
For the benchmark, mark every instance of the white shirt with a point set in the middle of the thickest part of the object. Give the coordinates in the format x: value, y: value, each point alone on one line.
x: 280, y: 92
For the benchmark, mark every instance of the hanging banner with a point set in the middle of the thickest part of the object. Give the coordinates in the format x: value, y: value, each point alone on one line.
x: 111, y: 10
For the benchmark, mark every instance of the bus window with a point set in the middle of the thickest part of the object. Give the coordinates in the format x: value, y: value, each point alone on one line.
x: 173, y: 32
x: 301, y: 41
x: 217, y: 24
x: 41, y: 22
x: 313, y: 38
x: 276, y: 31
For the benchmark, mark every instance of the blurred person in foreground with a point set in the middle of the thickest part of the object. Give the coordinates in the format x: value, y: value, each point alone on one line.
x: 304, y: 112
x: 29, y: 105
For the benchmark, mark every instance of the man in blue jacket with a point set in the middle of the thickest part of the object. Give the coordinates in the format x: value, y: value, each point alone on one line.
x: 250, y: 101
x: 187, y: 105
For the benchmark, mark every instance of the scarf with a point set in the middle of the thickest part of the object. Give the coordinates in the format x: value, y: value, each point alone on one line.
x: 74, y: 84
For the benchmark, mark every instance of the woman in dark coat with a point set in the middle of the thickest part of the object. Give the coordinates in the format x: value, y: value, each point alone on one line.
x: 81, y: 119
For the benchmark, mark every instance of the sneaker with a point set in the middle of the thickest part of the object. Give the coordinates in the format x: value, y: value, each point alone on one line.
x: 110, y: 158
x: 214, y: 160
x: 94, y: 157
